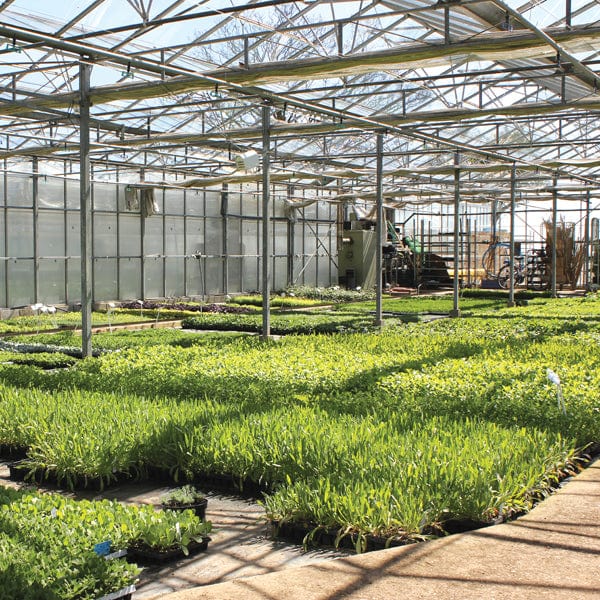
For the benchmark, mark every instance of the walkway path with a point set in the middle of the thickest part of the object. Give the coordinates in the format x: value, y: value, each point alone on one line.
x: 553, y: 552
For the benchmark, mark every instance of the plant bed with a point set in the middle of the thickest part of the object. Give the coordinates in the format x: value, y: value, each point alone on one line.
x: 122, y: 594
x: 246, y: 488
x: 21, y: 470
x: 143, y: 554
x: 13, y: 452
x: 159, y: 474
x: 17, y: 470
x: 451, y: 526
x: 305, y: 534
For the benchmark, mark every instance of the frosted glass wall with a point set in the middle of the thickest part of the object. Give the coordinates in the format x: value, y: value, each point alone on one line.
x: 196, y: 243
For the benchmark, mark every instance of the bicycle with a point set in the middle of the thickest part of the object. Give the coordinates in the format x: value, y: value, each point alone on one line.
x: 532, y: 271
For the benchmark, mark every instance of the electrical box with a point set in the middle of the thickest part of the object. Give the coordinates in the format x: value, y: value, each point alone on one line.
x: 357, y: 258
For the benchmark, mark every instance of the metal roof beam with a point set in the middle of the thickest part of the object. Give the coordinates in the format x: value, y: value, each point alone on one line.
x: 489, y: 46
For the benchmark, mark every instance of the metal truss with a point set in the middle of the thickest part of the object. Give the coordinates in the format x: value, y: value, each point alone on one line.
x: 178, y: 87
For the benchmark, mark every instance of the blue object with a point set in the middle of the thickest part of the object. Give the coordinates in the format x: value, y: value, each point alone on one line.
x: 103, y: 548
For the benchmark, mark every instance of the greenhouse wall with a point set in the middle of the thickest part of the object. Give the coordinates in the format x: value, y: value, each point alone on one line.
x: 191, y: 243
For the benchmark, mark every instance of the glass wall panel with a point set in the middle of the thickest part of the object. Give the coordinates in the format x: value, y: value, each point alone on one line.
x: 105, y: 279
x: 73, y: 239
x: 194, y: 202
x: 51, y: 281
x: 2, y: 199
x: 105, y: 235
x: 234, y: 272
x: 51, y: 233
x: 310, y: 241
x: 21, y: 282
x: 250, y: 272
x: 280, y: 237
x: 250, y: 205
x: 214, y: 275
x: 279, y: 278
x: 130, y: 278
x: 214, y: 237
x: 19, y: 190
x: 213, y: 203
x: 153, y: 239
x: 153, y: 269
x: 194, y: 236
x: 3, y: 290
x: 195, y: 268
x: 73, y: 280
x: 51, y: 192
x: 174, y: 236
x: 279, y: 208
x: 310, y: 211
x: 73, y: 194
x: 327, y: 272
x: 130, y: 234
x: 2, y: 238
x: 20, y: 233
x: 234, y: 202
x: 174, y: 277
x: 159, y: 202
x: 104, y: 196
x: 234, y: 236
x: 250, y: 238
x: 309, y: 275
x: 173, y: 202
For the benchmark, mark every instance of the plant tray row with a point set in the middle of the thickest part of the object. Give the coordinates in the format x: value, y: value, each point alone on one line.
x: 124, y: 594
x: 145, y: 555
x: 312, y: 535
x: 302, y: 533
x: 19, y: 472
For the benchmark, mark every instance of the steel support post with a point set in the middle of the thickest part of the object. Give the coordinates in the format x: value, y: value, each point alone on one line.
x: 225, y: 235
x: 554, y: 228
x: 85, y: 208
x: 586, y: 264
x: 36, y: 231
x: 266, y: 223
x: 511, y: 272
x: 380, y: 232
x: 455, y: 312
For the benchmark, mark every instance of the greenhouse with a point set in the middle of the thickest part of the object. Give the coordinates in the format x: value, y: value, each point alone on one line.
x: 343, y: 254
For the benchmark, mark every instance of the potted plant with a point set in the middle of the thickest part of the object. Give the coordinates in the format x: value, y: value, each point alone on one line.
x: 166, y: 535
x: 186, y: 497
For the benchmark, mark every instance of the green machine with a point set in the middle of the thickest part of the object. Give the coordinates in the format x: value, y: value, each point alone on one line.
x: 357, y: 258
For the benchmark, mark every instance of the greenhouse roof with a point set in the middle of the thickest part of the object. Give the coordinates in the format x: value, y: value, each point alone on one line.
x: 178, y: 90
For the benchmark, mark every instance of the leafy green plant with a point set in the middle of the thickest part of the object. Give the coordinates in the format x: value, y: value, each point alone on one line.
x: 182, y: 496
x: 390, y: 433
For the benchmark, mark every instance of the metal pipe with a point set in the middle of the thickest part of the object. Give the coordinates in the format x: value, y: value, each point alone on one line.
x: 36, y: 232
x: 379, y: 237
x: 554, y: 228
x: 266, y: 210
x: 469, y: 251
x: 587, y: 241
x: 583, y: 72
x: 511, y: 272
x: 85, y: 208
x: 455, y: 312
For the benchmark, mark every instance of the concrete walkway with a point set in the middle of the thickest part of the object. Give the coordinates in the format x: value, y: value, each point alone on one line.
x: 553, y: 552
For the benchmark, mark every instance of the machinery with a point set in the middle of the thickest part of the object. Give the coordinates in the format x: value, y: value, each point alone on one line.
x: 405, y: 263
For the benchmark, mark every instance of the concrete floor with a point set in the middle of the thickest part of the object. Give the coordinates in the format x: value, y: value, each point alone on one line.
x: 239, y: 546
x: 553, y: 552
